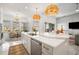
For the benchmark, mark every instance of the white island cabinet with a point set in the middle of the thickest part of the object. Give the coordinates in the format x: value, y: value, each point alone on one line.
x: 50, y: 46
x: 47, y: 50
x: 26, y: 42
x: 59, y: 50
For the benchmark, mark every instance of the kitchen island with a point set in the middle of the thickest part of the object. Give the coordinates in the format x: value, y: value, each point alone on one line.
x: 50, y: 46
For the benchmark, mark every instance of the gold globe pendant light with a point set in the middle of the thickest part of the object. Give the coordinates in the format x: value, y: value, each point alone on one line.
x: 36, y: 16
x: 51, y: 10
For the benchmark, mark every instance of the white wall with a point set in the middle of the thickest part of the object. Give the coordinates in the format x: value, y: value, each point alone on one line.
x: 65, y: 22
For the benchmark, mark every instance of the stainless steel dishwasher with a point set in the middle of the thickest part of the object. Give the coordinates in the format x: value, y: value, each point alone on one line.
x: 36, y: 47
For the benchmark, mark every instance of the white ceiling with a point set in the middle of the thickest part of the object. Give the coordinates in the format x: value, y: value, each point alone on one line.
x: 19, y: 8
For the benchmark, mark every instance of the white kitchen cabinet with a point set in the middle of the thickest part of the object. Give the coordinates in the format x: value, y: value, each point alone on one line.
x: 27, y: 42
x: 24, y: 40
x: 60, y: 50
x: 47, y: 50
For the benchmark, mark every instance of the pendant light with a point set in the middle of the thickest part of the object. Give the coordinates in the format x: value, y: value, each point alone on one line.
x: 51, y: 10
x: 36, y: 16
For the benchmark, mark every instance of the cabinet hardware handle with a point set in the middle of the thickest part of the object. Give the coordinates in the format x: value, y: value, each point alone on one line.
x: 46, y: 48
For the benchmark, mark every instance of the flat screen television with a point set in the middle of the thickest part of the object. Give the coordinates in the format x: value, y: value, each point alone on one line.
x: 74, y: 25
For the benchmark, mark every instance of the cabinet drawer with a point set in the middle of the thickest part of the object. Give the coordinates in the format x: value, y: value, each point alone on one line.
x: 47, y: 49
x: 44, y: 53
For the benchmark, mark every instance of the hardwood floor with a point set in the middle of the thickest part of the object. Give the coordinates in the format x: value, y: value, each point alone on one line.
x: 17, y: 50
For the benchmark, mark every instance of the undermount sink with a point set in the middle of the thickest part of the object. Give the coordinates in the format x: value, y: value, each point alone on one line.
x: 32, y: 34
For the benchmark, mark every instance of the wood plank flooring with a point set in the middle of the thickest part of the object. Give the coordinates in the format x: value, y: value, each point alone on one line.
x: 17, y: 50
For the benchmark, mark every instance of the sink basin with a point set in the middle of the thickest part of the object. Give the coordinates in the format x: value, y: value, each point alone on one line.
x: 32, y: 34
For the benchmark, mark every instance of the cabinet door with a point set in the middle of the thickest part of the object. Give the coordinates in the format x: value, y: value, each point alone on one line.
x: 64, y: 49
x: 47, y: 50
x: 60, y: 50
x: 23, y: 39
x: 26, y: 42
x: 28, y: 39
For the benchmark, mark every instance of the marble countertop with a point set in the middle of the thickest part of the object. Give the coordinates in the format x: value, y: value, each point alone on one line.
x: 53, y: 42
x: 54, y: 35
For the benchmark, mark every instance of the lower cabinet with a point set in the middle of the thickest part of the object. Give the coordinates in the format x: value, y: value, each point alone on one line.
x: 60, y: 50
x: 47, y: 50
x: 27, y: 43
